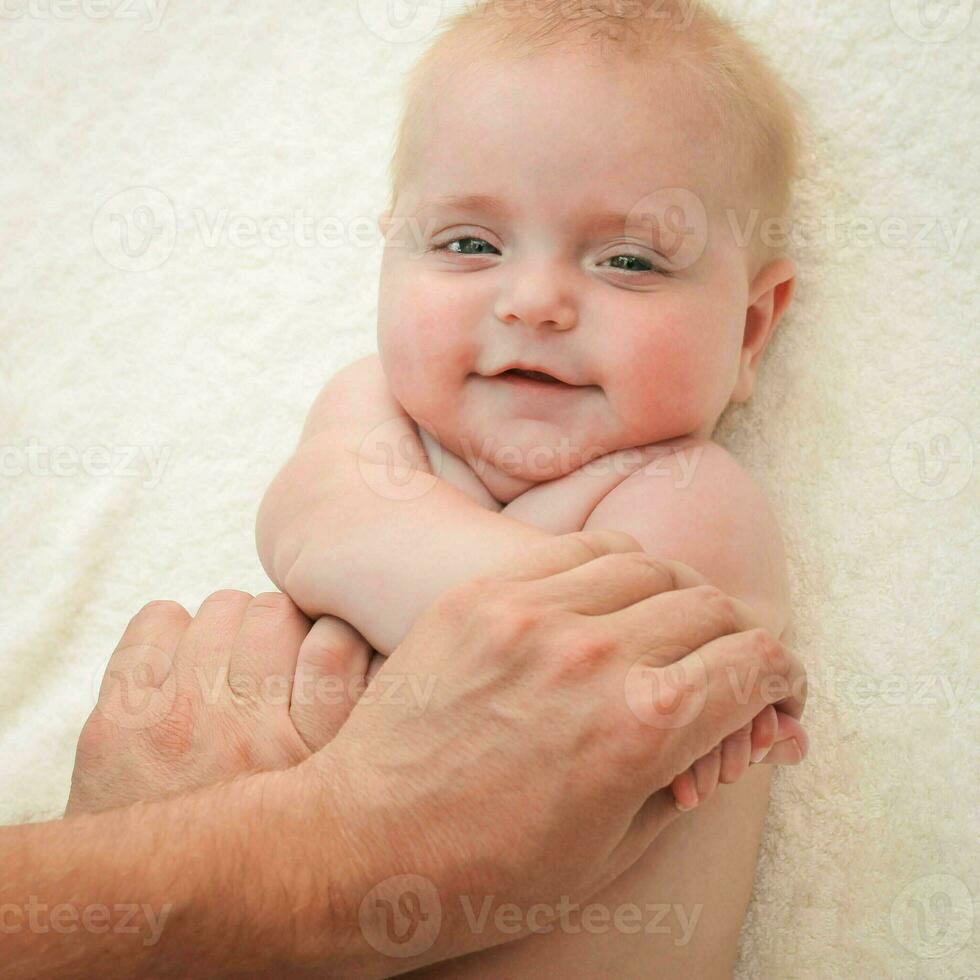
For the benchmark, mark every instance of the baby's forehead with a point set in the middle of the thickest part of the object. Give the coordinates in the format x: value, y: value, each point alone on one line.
x: 562, y: 112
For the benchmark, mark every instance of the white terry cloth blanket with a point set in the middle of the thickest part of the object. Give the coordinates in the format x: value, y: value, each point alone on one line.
x: 149, y: 392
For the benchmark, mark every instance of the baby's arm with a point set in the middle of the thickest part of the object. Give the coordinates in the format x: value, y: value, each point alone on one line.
x: 357, y: 526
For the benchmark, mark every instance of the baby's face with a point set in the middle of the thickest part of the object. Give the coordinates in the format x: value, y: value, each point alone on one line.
x: 641, y: 314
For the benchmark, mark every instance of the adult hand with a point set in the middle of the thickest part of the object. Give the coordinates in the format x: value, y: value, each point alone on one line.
x: 564, y: 695
x: 244, y: 685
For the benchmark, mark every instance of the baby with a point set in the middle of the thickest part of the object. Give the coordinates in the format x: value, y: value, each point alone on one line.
x: 570, y: 297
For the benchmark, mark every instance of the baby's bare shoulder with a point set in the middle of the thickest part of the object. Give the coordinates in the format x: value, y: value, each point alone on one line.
x: 697, y: 504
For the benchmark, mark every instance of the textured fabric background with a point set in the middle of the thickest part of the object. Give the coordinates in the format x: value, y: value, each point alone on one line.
x: 149, y: 393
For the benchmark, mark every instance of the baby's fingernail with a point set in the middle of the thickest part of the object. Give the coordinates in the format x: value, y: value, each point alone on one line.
x: 799, y: 748
x: 759, y: 755
x: 684, y: 809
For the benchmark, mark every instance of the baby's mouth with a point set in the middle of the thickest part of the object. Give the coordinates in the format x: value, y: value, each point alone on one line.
x: 531, y: 376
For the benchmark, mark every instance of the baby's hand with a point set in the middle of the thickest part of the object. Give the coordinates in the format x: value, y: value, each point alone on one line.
x: 772, y: 736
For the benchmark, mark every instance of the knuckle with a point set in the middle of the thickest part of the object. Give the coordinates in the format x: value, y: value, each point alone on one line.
x: 721, y: 605
x: 458, y: 601
x: 769, y: 650
x: 506, y: 614
x: 585, y: 648
x: 659, y: 567
x: 94, y: 738
x: 270, y: 602
x: 243, y: 690
x: 163, y: 609
x: 226, y: 596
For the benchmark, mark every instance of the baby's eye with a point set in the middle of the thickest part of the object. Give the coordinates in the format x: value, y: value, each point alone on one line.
x: 462, y: 250
x: 630, y: 263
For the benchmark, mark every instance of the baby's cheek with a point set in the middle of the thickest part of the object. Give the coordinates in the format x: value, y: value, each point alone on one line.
x: 670, y: 385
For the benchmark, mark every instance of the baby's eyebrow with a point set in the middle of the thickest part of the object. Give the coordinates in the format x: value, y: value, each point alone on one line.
x: 487, y: 204
x: 469, y: 202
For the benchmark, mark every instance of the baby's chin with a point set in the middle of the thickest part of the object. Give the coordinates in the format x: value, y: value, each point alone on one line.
x: 534, y: 450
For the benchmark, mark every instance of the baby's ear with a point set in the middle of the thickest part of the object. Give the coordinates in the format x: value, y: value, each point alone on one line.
x: 769, y: 295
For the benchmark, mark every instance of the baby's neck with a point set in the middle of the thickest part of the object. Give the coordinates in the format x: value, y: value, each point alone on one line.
x: 475, y: 475
x: 502, y: 486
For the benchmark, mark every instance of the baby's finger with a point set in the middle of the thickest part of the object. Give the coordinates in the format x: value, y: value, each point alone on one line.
x: 765, y: 725
x: 788, y: 753
x: 685, y: 790
x: 791, y: 743
x: 706, y: 771
x: 330, y: 671
x: 736, y: 753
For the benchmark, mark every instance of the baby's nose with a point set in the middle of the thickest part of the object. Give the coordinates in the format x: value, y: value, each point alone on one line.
x: 541, y: 306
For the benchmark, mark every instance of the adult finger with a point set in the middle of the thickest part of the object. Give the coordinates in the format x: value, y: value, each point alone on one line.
x: 146, y: 650
x: 265, y: 650
x: 206, y: 650
x: 614, y: 581
x: 707, y: 695
x: 330, y: 671
x: 564, y: 551
x: 672, y: 623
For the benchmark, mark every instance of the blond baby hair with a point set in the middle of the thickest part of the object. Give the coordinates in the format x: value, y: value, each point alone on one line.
x: 759, y: 116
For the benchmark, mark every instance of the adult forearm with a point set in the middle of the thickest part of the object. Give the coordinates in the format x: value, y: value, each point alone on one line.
x: 202, y: 885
